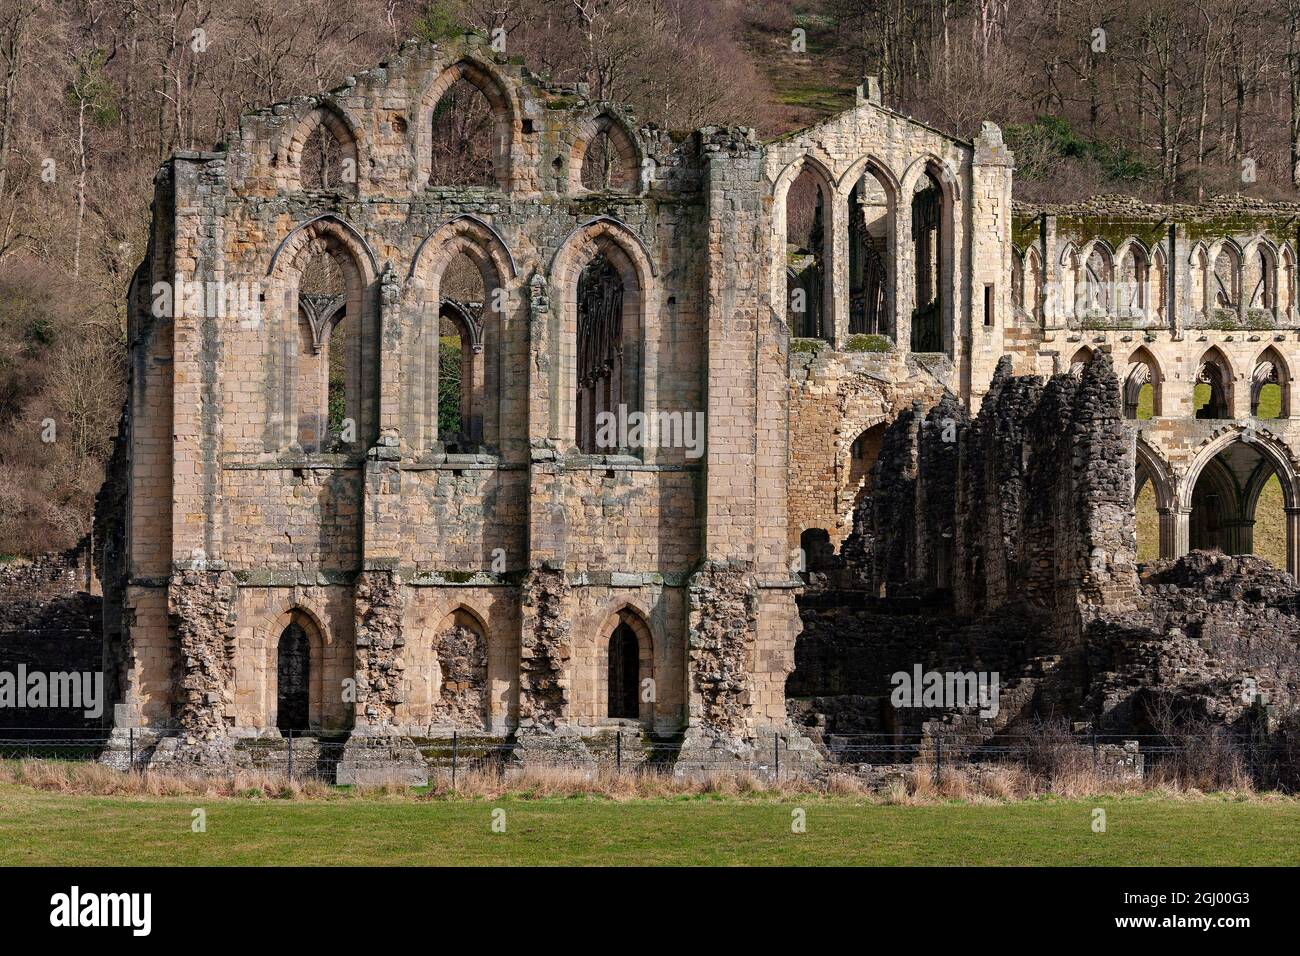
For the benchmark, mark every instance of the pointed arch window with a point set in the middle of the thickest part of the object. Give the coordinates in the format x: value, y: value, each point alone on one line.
x: 600, y: 352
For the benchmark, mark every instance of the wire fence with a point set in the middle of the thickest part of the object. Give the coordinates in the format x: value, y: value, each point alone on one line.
x: 780, y: 755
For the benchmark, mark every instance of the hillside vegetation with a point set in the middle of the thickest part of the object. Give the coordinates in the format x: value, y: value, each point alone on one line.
x: 1170, y: 99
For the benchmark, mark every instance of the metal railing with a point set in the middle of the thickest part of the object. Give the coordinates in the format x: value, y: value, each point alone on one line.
x: 780, y: 755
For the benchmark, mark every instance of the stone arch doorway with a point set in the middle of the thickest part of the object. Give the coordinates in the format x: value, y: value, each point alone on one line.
x: 293, y: 679
x: 627, y: 665
x: 624, y: 673
x: 1239, y: 504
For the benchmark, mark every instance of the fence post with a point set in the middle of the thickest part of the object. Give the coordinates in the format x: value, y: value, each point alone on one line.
x: 455, y: 746
x: 130, y: 735
x: 290, y: 733
x: 938, y: 756
x: 776, y: 753
x: 618, y: 752
x: 1096, y: 753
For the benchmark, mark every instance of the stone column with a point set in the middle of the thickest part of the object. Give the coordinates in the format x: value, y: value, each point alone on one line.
x: 904, y: 274
x: 1181, y: 536
x: 837, y: 221
x: 1169, y: 525
x: 990, y: 258
x: 1293, y: 540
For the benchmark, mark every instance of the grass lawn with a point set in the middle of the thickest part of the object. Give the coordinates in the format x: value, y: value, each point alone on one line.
x: 37, y: 827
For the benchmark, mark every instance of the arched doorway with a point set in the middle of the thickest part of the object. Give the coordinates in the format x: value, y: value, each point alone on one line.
x: 624, y: 673
x: 293, y: 679
x: 1239, y: 506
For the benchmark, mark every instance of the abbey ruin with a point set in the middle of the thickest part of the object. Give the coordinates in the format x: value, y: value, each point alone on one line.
x: 588, y: 444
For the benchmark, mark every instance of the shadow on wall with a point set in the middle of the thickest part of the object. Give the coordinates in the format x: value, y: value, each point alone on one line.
x: 49, y: 623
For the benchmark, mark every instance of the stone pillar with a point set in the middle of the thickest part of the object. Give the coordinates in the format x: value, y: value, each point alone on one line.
x: 1293, y: 541
x: 741, y: 491
x: 904, y: 274
x: 989, y: 295
x: 1181, y: 532
x: 1174, y: 272
x: 836, y: 221
x: 1169, y: 519
x: 196, y: 440
x: 201, y: 606
x: 1053, y: 305
x: 380, y: 668
x: 379, y: 594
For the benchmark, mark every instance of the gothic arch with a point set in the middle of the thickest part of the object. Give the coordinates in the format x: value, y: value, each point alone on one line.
x: 292, y: 357
x: 1260, y: 275
x: 462, y: 694
x: 320, y: 646
x: 487, y: 81
x: 1224, y: 276
x: 1198, y: 272
x: 1157, y: 307
x: 1097, y: 261
x: 1157, y: 471
x: 1143, y: 369
x: 604, y: 119
x: 484, y: 333
x: 1286, y: 282
x: 1269, y: 447
x: 1132, y: 271
x: 480, y: 234
x: 1214, y: 369
x: 1017, y: 279
x: 1071, y: 269
x: 633, y: 619
x: 330, y: 117
x: 1271, y: 368
x: 865, y: 257
x: 869, y: 163
x: 626, y: 255
x: 942, y: 171
x: 932, y: 300
x: 1081, y: 358
x: 345, y: 235
x: 820, y: 171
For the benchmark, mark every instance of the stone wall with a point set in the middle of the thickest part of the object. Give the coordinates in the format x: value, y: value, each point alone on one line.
x: 1035, y: 494
x: 51, y: 622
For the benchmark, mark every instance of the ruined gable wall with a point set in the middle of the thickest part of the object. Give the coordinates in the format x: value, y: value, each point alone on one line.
x: 277, y: 520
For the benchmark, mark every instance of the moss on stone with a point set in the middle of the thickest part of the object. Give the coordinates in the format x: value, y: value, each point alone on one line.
x: 808, y: 345
x: 869, y: 343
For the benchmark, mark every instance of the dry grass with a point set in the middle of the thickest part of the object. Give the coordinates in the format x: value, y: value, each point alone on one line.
x: 916, y: 786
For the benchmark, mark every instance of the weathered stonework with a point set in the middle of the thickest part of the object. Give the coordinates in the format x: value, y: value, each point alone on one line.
x: 380, y: 675
x: 909, y: 460
x: 462, y: 659
x: 723, y: 625
x: 1036, y: 494
x: 201, y: 606
x: 545, y: 650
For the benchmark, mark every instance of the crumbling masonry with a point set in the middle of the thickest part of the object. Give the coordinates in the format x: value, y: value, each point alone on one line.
x: 496, y: 561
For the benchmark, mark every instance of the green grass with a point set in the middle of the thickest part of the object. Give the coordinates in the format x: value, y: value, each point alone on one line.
x: 47, y: 828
